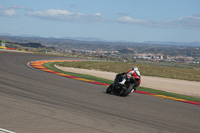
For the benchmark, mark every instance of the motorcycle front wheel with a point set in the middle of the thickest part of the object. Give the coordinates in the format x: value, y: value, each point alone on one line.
x: 109, y: 89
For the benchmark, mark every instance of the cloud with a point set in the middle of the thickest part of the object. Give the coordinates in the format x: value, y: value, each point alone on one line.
x: 20, y: 7
x: 188, y: 22
x: 10, y: 11
x: 127, y: 19
x: 51, y: 13
x: 64, y: 15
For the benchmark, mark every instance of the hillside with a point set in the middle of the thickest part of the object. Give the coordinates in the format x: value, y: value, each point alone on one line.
x: 102, y: 47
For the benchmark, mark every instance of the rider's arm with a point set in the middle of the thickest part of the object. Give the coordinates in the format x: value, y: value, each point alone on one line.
x: 123, y: 73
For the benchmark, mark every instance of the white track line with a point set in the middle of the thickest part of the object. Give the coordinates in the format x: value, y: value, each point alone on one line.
x: 5, y: 131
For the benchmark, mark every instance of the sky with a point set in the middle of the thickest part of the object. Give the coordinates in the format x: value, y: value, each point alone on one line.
x: 110, y: 20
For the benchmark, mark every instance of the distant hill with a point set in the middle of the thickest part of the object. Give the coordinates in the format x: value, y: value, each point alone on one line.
x: 33, y: 45
x: 175, y: 43
x: 166, y: 48
x: 71, y: 43
x: 84, y: 38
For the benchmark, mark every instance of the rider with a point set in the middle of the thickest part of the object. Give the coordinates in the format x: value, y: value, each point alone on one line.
x: 122, y: 76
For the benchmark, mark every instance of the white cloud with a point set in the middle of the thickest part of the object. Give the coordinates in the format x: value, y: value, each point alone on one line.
x: 9, y: 12
x: 188, y: 22
x: 64, y: 15
x: 20, y: 7
x: 50, y: 13
x: 127, y: 19
x: 98, y: 14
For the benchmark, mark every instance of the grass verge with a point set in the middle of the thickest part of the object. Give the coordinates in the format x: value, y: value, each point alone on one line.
x: 145, y: 69
x: 85, y: 76
x: 149, y: 90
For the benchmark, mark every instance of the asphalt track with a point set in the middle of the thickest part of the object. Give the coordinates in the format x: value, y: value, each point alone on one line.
x: 33, y: 101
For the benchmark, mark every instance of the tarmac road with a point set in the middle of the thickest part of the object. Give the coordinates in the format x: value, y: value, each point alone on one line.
x: 33, y: 101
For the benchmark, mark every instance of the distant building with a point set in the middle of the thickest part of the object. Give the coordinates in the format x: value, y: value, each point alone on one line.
x: 160, y: 57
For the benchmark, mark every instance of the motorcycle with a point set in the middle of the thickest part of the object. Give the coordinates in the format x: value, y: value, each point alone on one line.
x: 130, y: 85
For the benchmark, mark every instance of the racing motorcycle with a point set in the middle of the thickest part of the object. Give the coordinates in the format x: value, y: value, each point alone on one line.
x: 130, y: 85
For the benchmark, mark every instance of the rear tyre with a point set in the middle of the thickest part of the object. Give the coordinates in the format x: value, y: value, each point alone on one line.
x: 127, y: 91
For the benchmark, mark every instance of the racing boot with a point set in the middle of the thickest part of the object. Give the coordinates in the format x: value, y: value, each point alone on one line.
x: 122, y: 82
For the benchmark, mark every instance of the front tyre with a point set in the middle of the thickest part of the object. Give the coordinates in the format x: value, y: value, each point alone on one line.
x: 110, y: 89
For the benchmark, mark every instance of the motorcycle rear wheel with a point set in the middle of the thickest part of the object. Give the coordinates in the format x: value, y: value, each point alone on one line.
x: 127, y: 91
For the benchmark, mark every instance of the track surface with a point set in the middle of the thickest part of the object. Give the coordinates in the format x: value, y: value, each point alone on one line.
x: 32, y: 101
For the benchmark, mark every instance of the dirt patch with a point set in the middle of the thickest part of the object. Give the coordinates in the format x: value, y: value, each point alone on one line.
x: 191, y: 88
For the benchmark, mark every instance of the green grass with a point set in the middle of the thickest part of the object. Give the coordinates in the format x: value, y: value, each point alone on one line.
x: 159, y: 92
x: 85, y: 76
x: 146, y: 70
